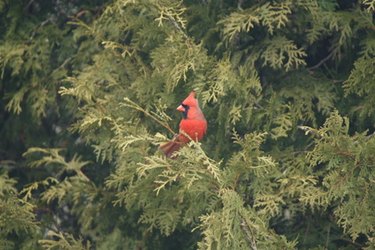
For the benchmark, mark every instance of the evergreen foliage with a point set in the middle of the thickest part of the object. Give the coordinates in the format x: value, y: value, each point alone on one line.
x: 88, y: 90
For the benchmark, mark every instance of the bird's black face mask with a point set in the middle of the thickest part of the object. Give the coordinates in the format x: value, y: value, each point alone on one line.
x: 186, y: 107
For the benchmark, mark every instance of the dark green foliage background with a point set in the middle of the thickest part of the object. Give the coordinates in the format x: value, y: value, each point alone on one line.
x: 88, y: 91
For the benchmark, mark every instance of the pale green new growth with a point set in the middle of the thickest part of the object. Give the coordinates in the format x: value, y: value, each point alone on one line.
x: 348, y: 162
x: 370, y: 5
x: 282, y: 53
x: 63, y: 242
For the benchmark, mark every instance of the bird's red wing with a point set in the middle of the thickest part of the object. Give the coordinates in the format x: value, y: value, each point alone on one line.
x: 170, y: 147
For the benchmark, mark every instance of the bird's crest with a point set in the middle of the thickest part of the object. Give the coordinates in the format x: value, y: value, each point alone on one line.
x: 190, y: 100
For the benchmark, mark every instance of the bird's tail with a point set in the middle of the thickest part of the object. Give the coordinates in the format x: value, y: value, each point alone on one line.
x: 170, y: 147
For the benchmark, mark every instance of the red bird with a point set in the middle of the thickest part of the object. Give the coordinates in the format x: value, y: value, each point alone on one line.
x: 193, y: 124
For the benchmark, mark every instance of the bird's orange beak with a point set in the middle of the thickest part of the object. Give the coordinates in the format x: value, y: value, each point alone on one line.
x: 181, y: 108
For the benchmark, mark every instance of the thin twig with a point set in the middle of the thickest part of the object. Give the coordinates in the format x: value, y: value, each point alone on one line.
x: 249, y: 235
x: 370, y: 136
x: 306, y: 232
x: 39, y: 26
x: 138, y: 108
x: 328, y: 233
x: 239, y: 4
x: 352, y: 242
x: 158, y: 121
x: 7, y: 162
x: 63, y: 64
x: 257, y: 105
x: 308, y: 130
x: 178, y: 27
x: 28, y: 5
x: 322, y: 61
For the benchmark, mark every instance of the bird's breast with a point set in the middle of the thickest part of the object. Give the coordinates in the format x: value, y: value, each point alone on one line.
x: 195, y: 129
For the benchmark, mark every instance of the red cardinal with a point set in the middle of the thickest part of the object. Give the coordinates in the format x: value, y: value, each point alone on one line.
x: 193, y: 124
